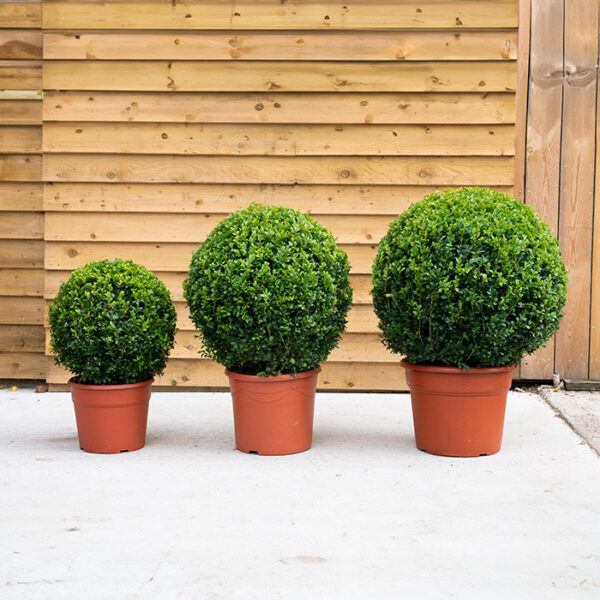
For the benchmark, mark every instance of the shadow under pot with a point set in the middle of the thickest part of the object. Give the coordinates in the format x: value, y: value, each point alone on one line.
x: 456, y: 412
x: 273, y: 415
x: 111, y: 418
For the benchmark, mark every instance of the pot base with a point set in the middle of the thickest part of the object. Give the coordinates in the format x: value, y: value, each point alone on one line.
x: 458, y: 413
x: 273, y: 416
x: 111, y: 418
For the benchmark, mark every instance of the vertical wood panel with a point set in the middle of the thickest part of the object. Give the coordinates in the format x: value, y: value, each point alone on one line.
x: 577, y: 182
x: 544, y: 121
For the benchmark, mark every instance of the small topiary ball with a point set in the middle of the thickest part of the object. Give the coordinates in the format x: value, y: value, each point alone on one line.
x: 269, y: 290
x: 112, y: 322
x: 468, y: 278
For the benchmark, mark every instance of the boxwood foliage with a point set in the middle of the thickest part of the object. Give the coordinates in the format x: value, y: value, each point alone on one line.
x: 112, y: 322
x: 269, y: 291
x: 468, y: 278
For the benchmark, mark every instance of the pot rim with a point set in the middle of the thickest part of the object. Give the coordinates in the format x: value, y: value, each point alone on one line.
x: 109, y: 387
x: 456, y: 370
x: 272, y: 378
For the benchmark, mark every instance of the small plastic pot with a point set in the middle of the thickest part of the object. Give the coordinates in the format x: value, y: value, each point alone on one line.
x: 273, y: 415
x: 111, y: 418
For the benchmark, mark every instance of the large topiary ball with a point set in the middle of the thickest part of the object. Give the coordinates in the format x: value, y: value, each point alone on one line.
x: 269, y: 290
x: 468, y: 278
x: 112, y: 322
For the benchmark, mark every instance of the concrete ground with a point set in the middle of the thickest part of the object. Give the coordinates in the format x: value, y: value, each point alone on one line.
x: 362, y: 515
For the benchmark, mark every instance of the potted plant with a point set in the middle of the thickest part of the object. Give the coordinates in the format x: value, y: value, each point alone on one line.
x: 269, y: 291
x: 112, y: 325
x: 465, y: 283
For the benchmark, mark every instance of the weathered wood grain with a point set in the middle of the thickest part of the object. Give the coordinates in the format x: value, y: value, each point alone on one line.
x: 20, y: 15
x: 272, y: 14
x: 317, y: 108
x: 19, y: 167
x: 20, y: 140
x: 21, y: 282
x: 20, y: 196
x: 275, y: 76
x: 226, y: 198
x: 21, y: 338
x: 277, y: 140
x: 20, y: 75
x: 26, y: 44
x: 285, y: 170
x: 21, y: 311
x: 20, y: 112
x: 22, y: 365
x: 281, y: 45
x: 21, y: 254
x: 22, y: 225
x: 577, y: 184
x: 544, y: 120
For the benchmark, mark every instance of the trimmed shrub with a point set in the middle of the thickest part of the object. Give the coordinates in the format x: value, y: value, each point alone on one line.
x: 112, y: 322
x: 269, y: 290
x: 468, y: 278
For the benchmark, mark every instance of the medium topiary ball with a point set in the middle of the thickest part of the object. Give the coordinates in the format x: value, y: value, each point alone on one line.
x: 112, y: 322
x: 468, y: 278
x: 269, y: 290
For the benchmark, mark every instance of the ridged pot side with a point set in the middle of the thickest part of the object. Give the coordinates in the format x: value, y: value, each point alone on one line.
x: 273, y: 415
x: 111, y: 418
x: 456, y: 412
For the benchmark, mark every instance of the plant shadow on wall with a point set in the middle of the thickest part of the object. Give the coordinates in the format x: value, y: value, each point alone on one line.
x: 270, y: 291
x: 112, y: 325
x: 465, y: 283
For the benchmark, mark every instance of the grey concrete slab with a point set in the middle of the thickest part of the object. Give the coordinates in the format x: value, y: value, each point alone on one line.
x: 362, y: 515
x: 581, y: 410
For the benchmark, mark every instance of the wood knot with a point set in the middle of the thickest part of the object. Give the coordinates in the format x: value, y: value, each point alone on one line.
x: 345, y: 173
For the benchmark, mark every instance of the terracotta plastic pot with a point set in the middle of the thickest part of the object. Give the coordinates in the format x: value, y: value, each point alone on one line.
x: 456, y: 412
x: 273, y: 415
x: 111, y: 418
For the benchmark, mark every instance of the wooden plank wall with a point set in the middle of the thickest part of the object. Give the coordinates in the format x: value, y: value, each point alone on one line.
x: 561, y: 167
x: 160, y: 117
x: 21, y: 217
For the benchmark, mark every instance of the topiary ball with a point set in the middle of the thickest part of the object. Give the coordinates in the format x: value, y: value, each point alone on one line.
x: 269, y: 290
x: 468, y: 278
x: 112, y: 322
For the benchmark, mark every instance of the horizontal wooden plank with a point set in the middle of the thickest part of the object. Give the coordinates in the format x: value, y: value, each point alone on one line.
x: 361, y: 285
x: 22, y: 365
x: 22, y: 225
x: 274, y: 76
x: 273, y: 14
x: 18, y: 167
x: 26, y: 44
x: 161, y: 257
x: 280, y: 169
x: 280, y: 108
x: 20, y: 15
x: 281, y: 45
x: 227, y: 198
x: 20, y: 196
x: 20, y: 75
x: 21, y: 311
x: 21, y: 254
x: 20, y: 140
x: 20, y: 112
x: 278, y: 140
x: 21, y: 282
x: 22, y: 338
x: 135, y: 227
x: 208, y: 374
